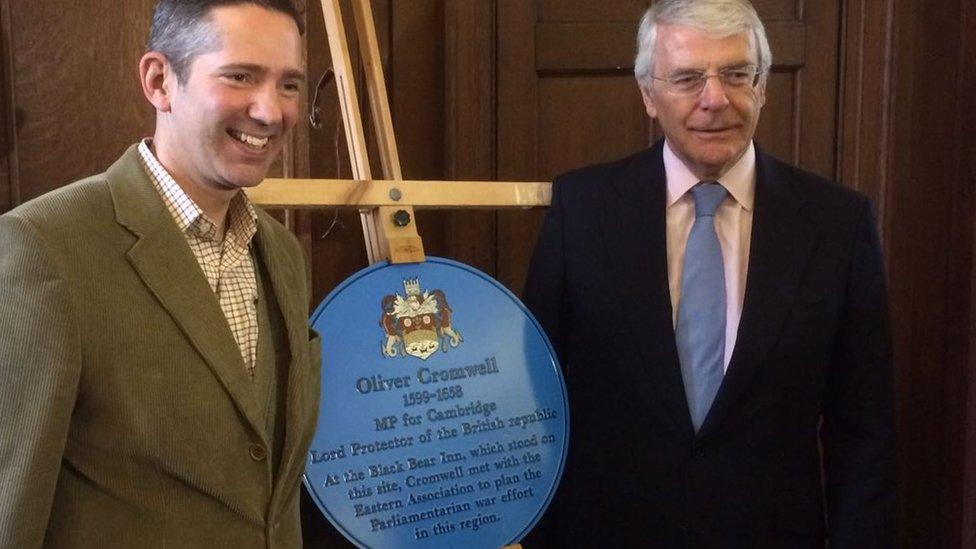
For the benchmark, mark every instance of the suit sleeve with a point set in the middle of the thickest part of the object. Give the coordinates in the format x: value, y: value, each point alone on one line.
x: 39, y: 372
x: 858, y: 413
x: 545, y: 285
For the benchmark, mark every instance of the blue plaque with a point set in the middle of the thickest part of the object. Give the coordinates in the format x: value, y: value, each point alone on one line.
x: 443, y: 419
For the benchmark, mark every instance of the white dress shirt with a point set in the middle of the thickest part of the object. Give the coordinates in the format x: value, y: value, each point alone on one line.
x: 733, y: 223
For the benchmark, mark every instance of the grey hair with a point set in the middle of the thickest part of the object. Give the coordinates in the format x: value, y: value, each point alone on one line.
x: 182, y: 29
x: 718, y: 18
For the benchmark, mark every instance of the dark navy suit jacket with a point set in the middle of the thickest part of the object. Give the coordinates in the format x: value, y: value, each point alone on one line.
x: 798, y: 446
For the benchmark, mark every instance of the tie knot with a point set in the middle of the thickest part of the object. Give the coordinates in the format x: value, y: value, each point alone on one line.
x: 707, y: 198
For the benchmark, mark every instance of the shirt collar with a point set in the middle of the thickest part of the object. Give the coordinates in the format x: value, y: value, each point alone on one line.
x: 241, y: 216
x: 739, y: 180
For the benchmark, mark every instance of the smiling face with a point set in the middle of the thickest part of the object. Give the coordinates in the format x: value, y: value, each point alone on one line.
x: 223, y: 127
x: 709, y: 131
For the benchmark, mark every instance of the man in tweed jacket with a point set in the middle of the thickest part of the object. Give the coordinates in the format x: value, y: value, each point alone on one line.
x: 158, y: 382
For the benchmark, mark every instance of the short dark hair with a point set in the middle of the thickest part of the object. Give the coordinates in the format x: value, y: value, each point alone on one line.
x: 179, y: 27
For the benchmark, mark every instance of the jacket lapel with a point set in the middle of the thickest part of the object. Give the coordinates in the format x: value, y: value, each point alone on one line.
x: 165, y: 263
x: 279, y: 268
x: 634, y: 230
x: 782, y: 240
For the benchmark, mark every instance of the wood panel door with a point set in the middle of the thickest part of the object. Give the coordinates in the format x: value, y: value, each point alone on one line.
x: 70, y: 97
x: 72, y: 101
x: 567, y: 96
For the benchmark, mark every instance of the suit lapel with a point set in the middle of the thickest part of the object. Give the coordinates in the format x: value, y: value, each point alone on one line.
x: 278, y: 267
x: 166, y: 265
x: 782, y: 239
x: 634, y: 229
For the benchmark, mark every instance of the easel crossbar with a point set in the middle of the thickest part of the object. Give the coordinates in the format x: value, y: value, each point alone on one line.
x: 345, y: 193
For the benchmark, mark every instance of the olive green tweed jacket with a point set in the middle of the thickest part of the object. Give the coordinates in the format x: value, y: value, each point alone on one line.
x: 127, y: 418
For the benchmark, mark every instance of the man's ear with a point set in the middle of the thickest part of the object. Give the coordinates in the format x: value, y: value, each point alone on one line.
x: 760, y: 90
x: 649, y: 105
x: 157, y: 78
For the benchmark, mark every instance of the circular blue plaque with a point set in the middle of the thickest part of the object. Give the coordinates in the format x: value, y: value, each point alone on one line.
x: 443, y: 418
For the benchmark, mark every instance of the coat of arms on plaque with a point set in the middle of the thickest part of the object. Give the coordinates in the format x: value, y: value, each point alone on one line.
x: 417, y: 323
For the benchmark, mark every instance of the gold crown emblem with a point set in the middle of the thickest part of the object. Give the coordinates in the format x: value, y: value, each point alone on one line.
x: 412, y: 286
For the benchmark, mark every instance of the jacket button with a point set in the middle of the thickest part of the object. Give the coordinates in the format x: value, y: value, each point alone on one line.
x: 257, y: 452
x: 698, y: 452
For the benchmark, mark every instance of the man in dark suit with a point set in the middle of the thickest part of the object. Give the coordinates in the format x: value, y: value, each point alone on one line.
x: 158, y: 382
x: 721, y: 318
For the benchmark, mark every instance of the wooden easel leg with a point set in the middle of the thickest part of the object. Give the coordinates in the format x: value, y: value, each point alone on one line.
x: 384, y: 236
x: 351, y: 117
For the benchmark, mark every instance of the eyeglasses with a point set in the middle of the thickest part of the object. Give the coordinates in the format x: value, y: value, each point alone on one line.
x: 691, y: 82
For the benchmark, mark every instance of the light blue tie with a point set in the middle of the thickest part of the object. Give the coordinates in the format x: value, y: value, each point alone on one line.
x: 700, y: 327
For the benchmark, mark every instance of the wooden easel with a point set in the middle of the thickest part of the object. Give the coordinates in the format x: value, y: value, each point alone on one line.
x: 386, y: 206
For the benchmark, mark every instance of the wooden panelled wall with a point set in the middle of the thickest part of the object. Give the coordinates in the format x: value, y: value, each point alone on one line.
x: 876, y: 93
